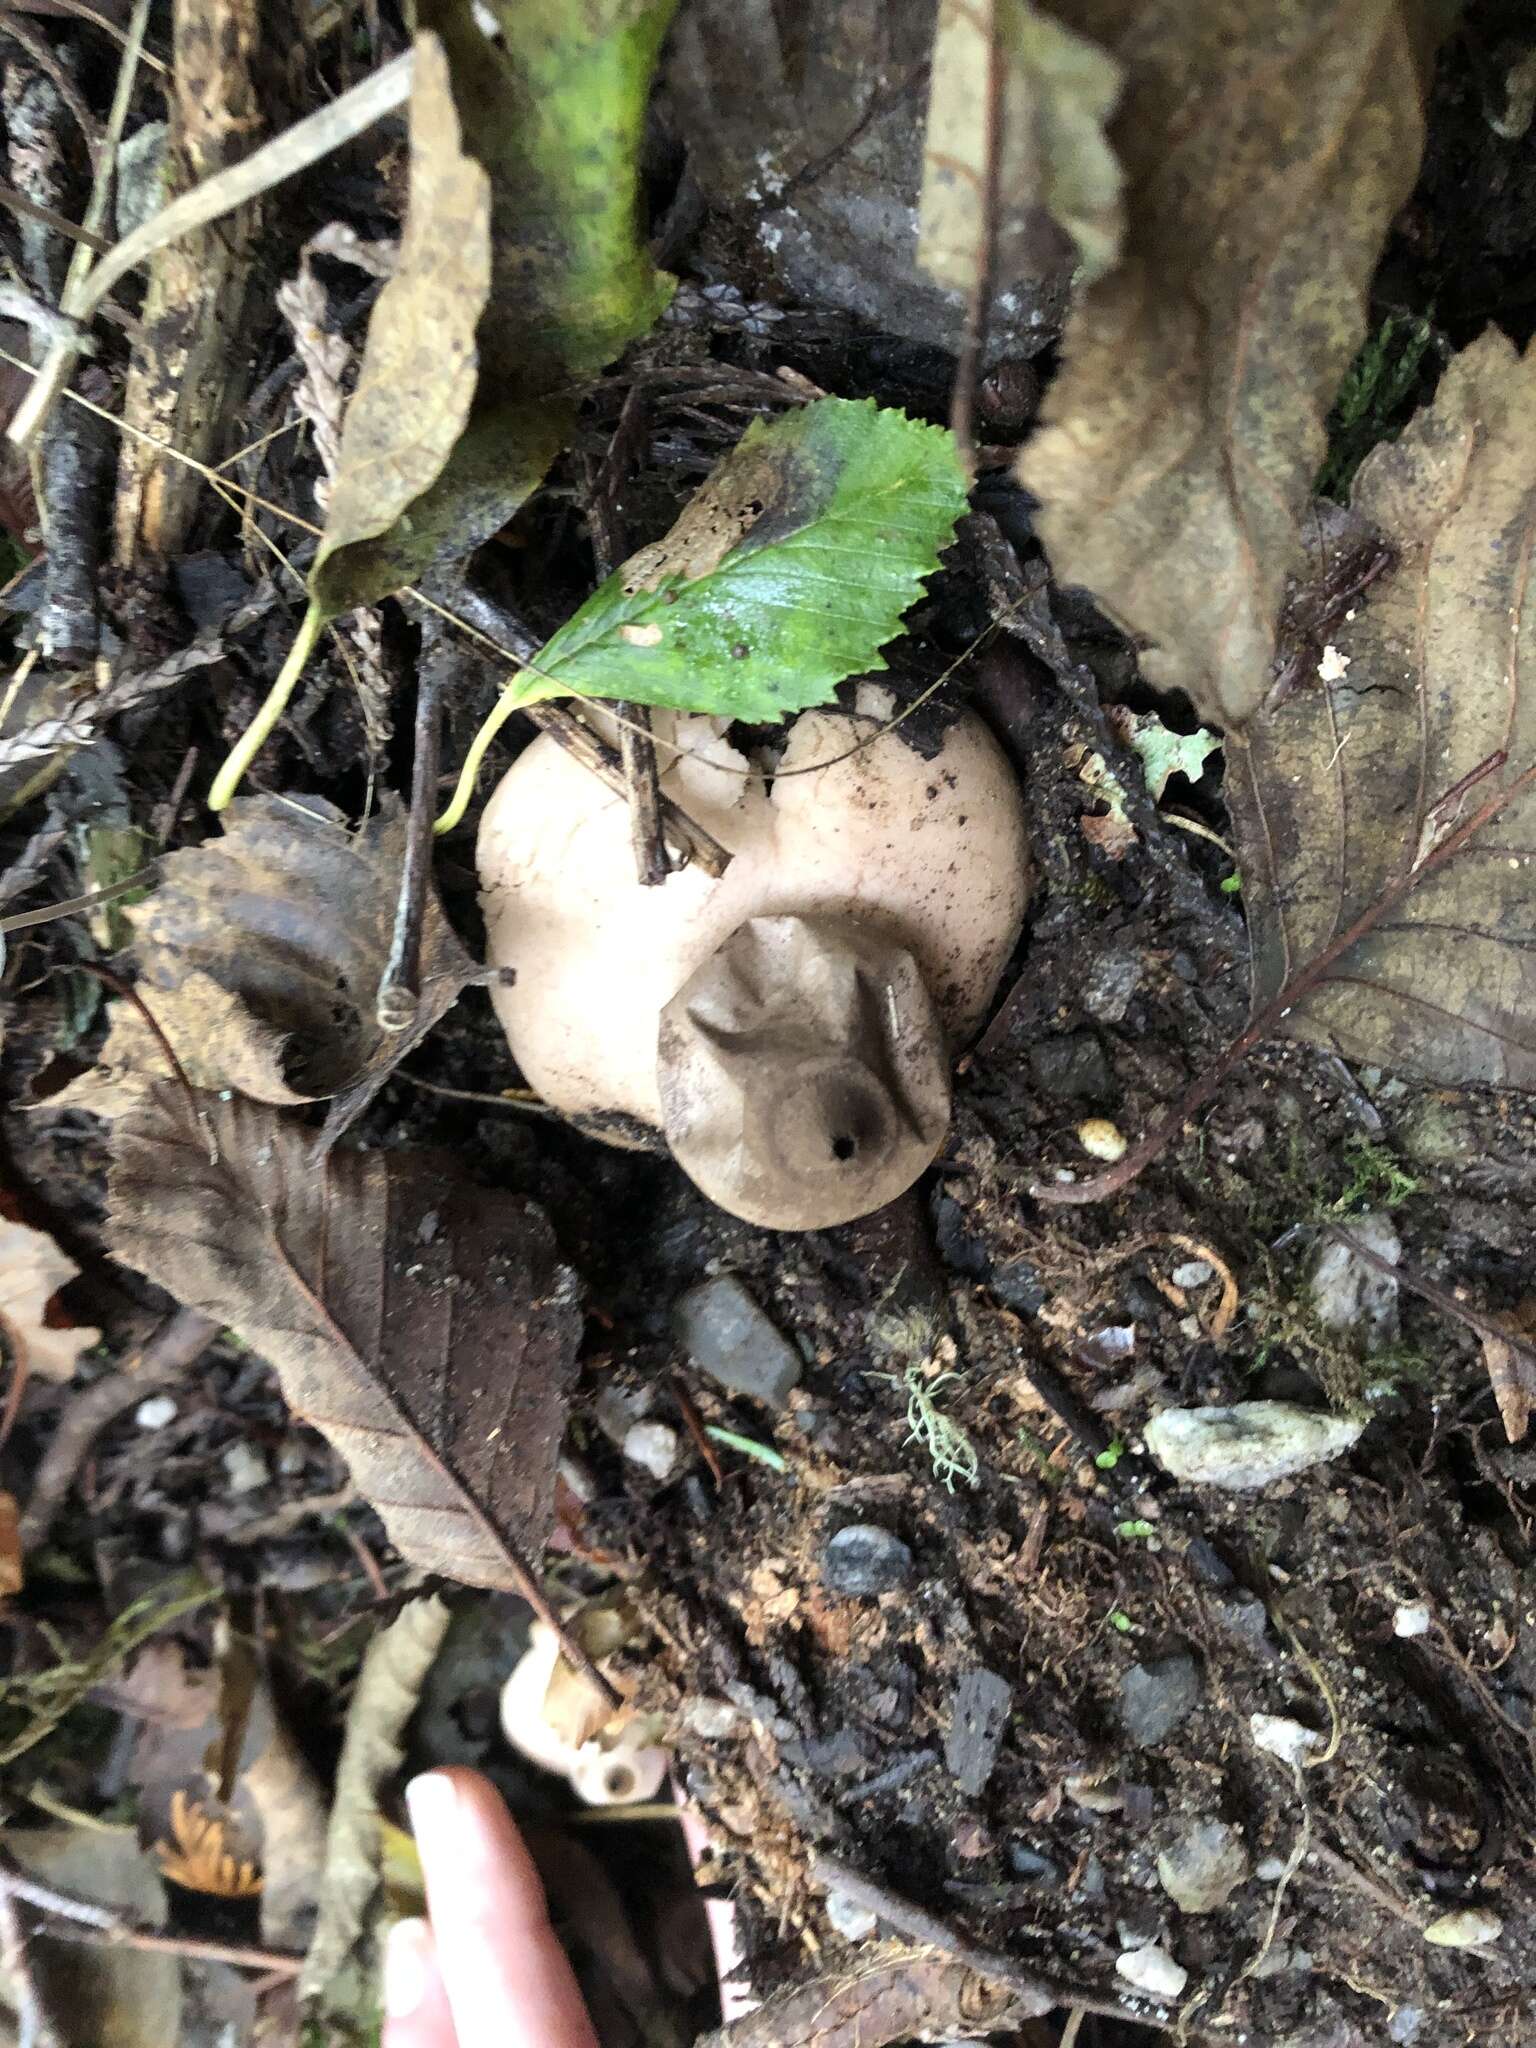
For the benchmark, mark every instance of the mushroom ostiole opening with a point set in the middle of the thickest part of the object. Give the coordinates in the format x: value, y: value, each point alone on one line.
x: 844, y: 1147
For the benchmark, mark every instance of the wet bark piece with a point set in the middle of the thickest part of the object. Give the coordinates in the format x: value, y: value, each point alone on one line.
x: 979, y: 1714
x: 425, y: 1326
x: 188, y: 374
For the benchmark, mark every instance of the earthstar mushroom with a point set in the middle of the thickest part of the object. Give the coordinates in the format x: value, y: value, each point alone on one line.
x: 790, y: 1026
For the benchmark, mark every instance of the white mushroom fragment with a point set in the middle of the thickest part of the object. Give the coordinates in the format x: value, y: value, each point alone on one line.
x: 557, y: 1718
x: 789, y: 1026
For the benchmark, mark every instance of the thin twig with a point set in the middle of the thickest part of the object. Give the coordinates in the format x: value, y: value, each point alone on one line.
x: 35, y: 2027
x: 46, y: 217
x: 285, y: 155
x: 399, y: 994
x: 24, y: 920
x: 278, y: 1962
x: 1266, y: 1024
x: 168, y: 1355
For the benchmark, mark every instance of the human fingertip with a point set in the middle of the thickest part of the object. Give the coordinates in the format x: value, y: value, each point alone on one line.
x: 432, y: 1801
x: 407, y: 1968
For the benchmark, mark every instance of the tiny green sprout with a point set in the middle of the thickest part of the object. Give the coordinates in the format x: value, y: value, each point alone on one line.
x: 1134, y: 1532
x: 1108, y: 1459
x: 1232, y: 885
x: 749, y: 1447
x: 1118, y: 1618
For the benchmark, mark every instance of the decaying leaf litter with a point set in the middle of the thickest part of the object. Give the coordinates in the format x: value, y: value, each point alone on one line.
x: 1082, y: 1598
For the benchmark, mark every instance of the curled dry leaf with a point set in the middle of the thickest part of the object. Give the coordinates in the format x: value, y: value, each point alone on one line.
x: 32, y: 1270
x: 1509, y: 1354
x: 388, y: 1688
x: 918, y: 1994
x: 1267, y: 145
x: 260, y: 956
x: 522, y: 273
x: 425, y: 1326
x: 1054, y: 91
x: 1360, y: 798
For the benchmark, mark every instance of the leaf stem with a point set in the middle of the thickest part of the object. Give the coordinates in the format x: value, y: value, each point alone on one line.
x: 261, y: 727
x: 513, y: 698
x: 1296, y: 990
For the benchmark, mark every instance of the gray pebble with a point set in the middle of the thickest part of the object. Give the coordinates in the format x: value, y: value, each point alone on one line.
x: 1352, y: 1298
x: 1249, y: 1445
x: 1071, y: 1068
x: 729, y: 1338
x: 1156, y: 1697
x: 863, y: 1560
x: 1110, y: 983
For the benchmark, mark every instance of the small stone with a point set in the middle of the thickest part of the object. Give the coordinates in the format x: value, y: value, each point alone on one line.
x: 1153, y: 1970
x: 1244, y: 1616
x: 1017, y: 1285
x: 1156, y: 1697
x: 978, y: 1717
x: 1249, y: 1445
x: 1350, y: 1296
x: 1271, y: 1870
x: 1095, y: 1795
x: 1289, y: 1740
x: 711, y: 1720
x: 849, y: 1919
x: 1411, y: 1619
x: 1193, y: 1273
x: 1101, y: 1139
x: 1031, y: 1865
x: 156, y: 1412
x: 653, y: 1447
x: 1403, y: 2027
x: 1472, y: 1927
x: 1108, y: 986
x: 245, y: 1469
x: 863, y: 1560
x: 729, y: 1338
x: 1204, y: 1867
x: 1071, y: 1068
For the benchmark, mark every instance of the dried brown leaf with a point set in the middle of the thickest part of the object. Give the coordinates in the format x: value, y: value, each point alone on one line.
x: 1512, y: 1372
x: 1338, y: 794
x: 423, y: 1325
x: 1055, y: 91
x: 394, y: 1670
x: 418, y: 380
x: 260, y: 956
x: 895, y: 1995
x: 1267, y: 145
x: 12, y: 1570
x: 32, y: 1270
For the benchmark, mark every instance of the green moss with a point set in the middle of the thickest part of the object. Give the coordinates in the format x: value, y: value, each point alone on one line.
x: 1375, y: 399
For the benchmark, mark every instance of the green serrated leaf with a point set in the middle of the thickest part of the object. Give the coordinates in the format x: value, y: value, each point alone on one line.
x: 789, y: 570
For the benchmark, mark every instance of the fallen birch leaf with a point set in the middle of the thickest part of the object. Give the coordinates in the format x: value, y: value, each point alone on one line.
x: 395, y: 1666
x: 32, y: 1270
x: 787, y: 571
x: 260, y: 956
x: 1352, y: 785
x: 423, y: 1325
x: 1056, y: 92
x: 1267, y: 145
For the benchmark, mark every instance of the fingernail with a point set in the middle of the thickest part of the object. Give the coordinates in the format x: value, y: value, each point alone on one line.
x: 432, y: 1802
x: 407, y: 1968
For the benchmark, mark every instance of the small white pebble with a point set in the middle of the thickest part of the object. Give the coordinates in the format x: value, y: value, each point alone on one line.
x: 1153, y: 1970
x: 1334, y: 666
x: 1101, y: 1139
x: 156, y: 1412
x: 851, y: 1920
x: 1277, y: 1736
x: 1271, y: 1870
x: 1193, y: 1273
x: 1472, y: 1927
x: 652, y: 1446
x: 245, y: 1469
x: 1412, y: 1619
